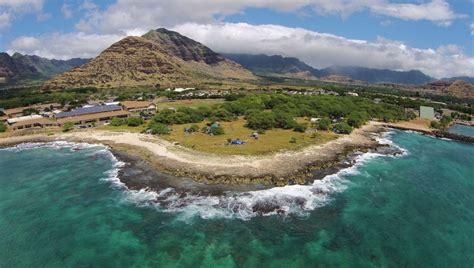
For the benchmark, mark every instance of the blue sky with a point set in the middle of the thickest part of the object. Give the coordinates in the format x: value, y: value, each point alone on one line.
x: 435, y: 36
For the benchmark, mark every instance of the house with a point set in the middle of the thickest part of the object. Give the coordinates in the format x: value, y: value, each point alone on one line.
x: 139, y: 106
x: 427, y: 112
x: 14, y: 112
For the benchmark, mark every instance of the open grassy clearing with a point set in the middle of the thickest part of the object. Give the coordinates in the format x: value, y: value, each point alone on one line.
x: 161, y: 104
x: 272, y: 141
x: 124, y: 128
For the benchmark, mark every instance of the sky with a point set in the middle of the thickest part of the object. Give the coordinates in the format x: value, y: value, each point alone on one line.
x: 433, y: 36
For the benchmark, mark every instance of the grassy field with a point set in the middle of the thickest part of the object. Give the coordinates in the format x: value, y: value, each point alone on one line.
x: 161, y: 105
x: 124, y: 128
x: 272, y: 141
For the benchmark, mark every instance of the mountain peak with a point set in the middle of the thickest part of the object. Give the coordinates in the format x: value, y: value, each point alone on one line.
x: 183, y: 47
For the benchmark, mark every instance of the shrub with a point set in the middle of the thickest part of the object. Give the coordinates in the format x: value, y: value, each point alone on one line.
x: 68, y: 126
x: 194, y: 128
x: 158, y: 129
x: 434, y: 124
x: 293, y: 140
x: 134, y: 121
x: 300, y: 128
x: 117, y: 121
x: 217, y: 131
x: 284, y: 120
x: 323, y: 124
x: 445, y: 121
x: 343, y: 128
x: 3, y: 128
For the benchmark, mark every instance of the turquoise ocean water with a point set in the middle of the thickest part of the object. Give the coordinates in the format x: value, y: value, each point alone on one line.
x: 462, y: 129
x: 62, y: 206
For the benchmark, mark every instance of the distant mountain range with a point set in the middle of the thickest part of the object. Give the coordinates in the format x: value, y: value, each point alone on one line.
x: 279, y: 66
x: 159, y: 57
x: 22, y: 69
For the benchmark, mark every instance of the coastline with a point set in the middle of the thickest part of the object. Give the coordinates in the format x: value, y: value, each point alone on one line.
x: 257, y: 172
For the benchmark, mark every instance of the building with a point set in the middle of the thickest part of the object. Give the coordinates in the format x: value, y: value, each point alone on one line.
x: 139, y: 106
x: 92, y: 115
x: 14, y: 120
x: 14, y: 112
x: 352, y: 94
x: 41, y: 122
x: 427, y: 112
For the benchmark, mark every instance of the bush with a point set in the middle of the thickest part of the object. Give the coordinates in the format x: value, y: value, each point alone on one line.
x: 293, y: 140
x: 117, y: 121
x: 194, y: 128
x: 217, y: 131
x: 445, y: 121
x: 68, y: 126
x: 3, y: 128
x: 158, y: 129
x: 223, y: 115
x: 134, y: 121
x: 300, y: 128
x: 284, y: 120
x: 323, y: 124
x: 343, y: 128
x: 434, y: 124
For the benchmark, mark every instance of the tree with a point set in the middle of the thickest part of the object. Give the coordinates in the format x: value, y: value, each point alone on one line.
x: 117, y: 121
x: 343, y: 128
x: 3, y: 128
x: 445, y: 121
x: 261, y: 120
x: 284, y: 120
x: 134, y: 121
x: 68, y: 126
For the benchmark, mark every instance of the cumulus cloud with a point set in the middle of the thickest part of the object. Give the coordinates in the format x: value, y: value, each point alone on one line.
x: 66, y: 10
x: 146, y: 14
x: 9, y: 9
x: 63, y: 46
x: 323, y: 50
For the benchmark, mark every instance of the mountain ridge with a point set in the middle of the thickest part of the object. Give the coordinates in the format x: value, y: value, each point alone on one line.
x: 158, y: 57
x: 19, y: 68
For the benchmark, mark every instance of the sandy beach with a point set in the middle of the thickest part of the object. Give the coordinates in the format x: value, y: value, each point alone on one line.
x: 277, y: 169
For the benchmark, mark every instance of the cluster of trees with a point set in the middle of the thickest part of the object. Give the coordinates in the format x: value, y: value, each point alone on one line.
x: 267, y: 111
x: 132, y: 121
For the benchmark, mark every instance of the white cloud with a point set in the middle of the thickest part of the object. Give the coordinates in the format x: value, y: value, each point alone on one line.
x: 322, y: 50
x: 147, y: 14
x: 63, y: 46
x: 9, y: 9
x: 5, y: 20
x: 66, y: 10
x: 471, y: 26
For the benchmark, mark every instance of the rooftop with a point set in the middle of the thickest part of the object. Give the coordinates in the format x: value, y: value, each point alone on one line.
x: 87, y: 117
x: 136, y: 104
x: 89, y: 110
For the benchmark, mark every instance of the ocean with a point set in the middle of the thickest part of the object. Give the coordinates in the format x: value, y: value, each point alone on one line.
x: 63, y: 205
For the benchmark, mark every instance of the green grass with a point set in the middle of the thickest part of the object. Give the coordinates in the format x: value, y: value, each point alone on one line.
x: 161, y: 105
x: 272, y: 141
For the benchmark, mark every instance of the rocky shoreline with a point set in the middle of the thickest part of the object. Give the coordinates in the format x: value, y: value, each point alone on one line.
x: 289, y: 168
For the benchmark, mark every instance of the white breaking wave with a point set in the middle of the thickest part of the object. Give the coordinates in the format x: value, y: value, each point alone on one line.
x: 288, y: 200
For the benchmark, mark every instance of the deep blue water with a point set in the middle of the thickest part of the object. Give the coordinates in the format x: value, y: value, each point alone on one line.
x: 62, y: 208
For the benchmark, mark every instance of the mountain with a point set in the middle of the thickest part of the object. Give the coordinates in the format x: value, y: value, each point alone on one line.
x: 373, y: 76
x: 463, y: 78
x: 20, y: 68
x: 159, y: 57
x: 456, y: 88
x: 276, y: 65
